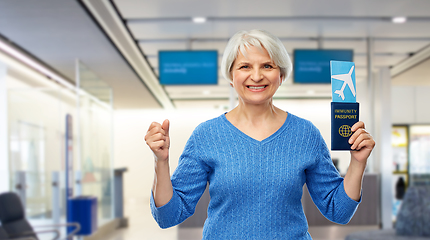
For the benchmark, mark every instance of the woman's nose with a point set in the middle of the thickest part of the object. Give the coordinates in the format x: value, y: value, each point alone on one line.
x: 256, y: 75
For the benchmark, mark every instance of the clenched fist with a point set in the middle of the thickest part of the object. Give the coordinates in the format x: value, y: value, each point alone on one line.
x: 158, y: 140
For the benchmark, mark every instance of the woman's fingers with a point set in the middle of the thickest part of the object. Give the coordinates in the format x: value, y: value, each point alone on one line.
x: 157, y: 138
x: 365, y: 143
x: 357, y: 125
x: 361, y: 137
x: 156, y: 145
x: 155, y: 134
x: 360, y: 141
x: 155, y: 128
x: 358, y: 135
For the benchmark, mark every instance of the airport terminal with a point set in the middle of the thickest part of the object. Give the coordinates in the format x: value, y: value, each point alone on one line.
x: 81, y: 82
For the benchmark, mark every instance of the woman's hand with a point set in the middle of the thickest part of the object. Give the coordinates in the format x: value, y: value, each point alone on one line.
x: 362, y: 142
x: 362, y: 145
x: 158, y: 140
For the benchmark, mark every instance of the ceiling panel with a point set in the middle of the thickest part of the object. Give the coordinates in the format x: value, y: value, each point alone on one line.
x: 151, y: 49
x: 403, y: 47
x: 410, y: 29
x: 219, y: 28
x: 410, y: 78
x: 358, y: 46
x: 169, y: 8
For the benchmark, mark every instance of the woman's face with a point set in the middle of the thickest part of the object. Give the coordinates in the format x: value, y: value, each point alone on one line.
x: 255, y: 77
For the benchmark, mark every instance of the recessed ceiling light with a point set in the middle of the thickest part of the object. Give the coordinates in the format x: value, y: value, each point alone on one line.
x: 206, y: 92
x: 199, y: 19
x: 399, y: 19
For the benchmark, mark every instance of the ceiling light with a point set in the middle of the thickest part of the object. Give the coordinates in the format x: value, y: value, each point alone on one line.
x: 206, y: 92
x: 399, y: 19
x: 33, y: 64
x: 27, y: 61
x: 199, y: 19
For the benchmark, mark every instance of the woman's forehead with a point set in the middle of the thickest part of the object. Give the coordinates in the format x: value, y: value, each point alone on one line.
x: 244, y: 48
x: 246, y: 52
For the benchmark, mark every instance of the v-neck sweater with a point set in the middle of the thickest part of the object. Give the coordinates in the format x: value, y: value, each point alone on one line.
x: 255, y: 186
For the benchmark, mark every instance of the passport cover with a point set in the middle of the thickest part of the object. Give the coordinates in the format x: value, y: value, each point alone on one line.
x: 343, y: 116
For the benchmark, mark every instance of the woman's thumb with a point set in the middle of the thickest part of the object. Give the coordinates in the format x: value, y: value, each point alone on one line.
x: 166, y: 126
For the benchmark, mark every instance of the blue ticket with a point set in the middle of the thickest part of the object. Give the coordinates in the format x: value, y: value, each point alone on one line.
x: 343, y: 85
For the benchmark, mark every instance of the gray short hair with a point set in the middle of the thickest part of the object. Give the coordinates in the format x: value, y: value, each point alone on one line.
x: 258, y: 38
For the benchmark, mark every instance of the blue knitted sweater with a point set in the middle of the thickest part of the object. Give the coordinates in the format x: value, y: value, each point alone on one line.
x: 255, y: 186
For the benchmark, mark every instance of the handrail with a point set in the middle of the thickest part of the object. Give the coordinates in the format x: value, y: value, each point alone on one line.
x: 73, y: 224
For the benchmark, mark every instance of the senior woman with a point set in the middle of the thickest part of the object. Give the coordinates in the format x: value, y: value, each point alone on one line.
x: 256, y: 157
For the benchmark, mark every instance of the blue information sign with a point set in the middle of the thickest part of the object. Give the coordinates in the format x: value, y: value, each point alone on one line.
x: 188, y: 67
x: 313, y: 65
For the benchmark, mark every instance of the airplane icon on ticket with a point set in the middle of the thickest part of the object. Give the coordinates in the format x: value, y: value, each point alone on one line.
x: 347, y: 80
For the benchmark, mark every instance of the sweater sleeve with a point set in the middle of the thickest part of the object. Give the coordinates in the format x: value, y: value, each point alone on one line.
x: 326, y: 187
x: 189, y: 182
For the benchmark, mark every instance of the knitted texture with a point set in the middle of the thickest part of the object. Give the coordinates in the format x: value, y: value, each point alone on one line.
x: 255, y: 186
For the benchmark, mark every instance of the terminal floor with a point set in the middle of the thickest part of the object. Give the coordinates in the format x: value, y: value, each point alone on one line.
x: 142, y: 226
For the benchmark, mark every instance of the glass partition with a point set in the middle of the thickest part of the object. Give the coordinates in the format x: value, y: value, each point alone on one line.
x: 37, y: 147
x: 95, y: 123
x: 36, y: 119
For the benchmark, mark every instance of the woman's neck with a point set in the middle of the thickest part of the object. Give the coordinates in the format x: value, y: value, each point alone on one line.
x: 255, y: 113
x: 257, y: 121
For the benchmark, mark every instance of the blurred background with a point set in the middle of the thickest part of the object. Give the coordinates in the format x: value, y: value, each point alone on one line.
x: 111, y: 67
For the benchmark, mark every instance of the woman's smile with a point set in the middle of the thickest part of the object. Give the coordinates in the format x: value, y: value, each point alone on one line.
x: 257, y: 88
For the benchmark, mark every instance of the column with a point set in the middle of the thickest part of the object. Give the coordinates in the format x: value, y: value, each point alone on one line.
x: 370, y: 126
x: 383, y: 149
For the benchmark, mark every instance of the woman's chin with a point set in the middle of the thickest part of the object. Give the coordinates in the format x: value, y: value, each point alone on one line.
x: 256, y: 101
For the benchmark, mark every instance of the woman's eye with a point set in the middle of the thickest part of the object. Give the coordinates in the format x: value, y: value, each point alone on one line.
x: 243, y: 67
x: 268, y: 66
